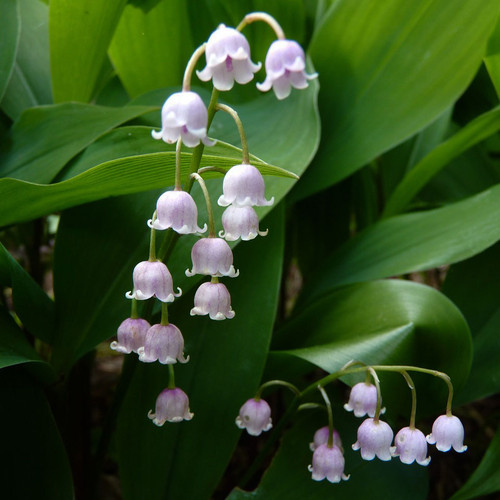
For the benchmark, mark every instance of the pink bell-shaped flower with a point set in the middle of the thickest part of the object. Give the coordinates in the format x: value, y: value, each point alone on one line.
x: 177, y: 210
x: 228, y: 59
x: 164, y: 343
x: 213, y: 299
x: 328, y: 463
x: 285, y: 68
x: 255, y: 417
x: 243, y: 185
x: 374, y: 439
x: 410, y: 446
x: 447, y: 432
x: 363, y: 400
x: 321, y: 437
x: 172, y: 405
x: 153, y: 279
x: 131, y: 335
x: 212, y: 256
x: 184, y: 116
x: 240, y: 222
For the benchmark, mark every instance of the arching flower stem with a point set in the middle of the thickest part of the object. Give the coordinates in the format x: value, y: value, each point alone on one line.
x: 266, y: 18
x: 270, y: 383
x: 411, y: 385
x: 239, y: 124
x: 330, y: 415
x: 188, y: 73
x: 376, y: 381
x: 211, y: 224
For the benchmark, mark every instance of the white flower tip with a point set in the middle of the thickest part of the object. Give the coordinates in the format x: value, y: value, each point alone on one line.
x: 189, y: 273
x: 150, y: 223
x: 130, y: 295
x: 430, y: 439
x: 356, y: 446
x: 218, y: 317
x: 208, y: 142
x: 203, y: 229
x: 179, y: 292
x: 156, y: 135
x: 424, y: 462
x: 347, y: 408
x: 221, y: 233
x: 461, y: 449
x: 265, y: 233
x: 183, y: 359
x: 222, y: 202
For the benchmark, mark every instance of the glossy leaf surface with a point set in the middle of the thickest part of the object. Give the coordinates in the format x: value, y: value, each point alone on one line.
x: 10, y: 29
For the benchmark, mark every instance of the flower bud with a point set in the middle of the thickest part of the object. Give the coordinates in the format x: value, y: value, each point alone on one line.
x: 447, y: 432
x: 328, y: 463
x: 411, y: 446
x: 363, y: 400
x: 131, y: 335
x: 374, y: 439
x: 212, y: 256
x: 255, y: 417
x: 321, y: 437
x: 240, y: 222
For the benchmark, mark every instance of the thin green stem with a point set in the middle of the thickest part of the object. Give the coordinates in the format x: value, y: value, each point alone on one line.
x: 214, y: 279
x: 171, y: 377
x: 211, y: 224
x: 164, y: 314
x: 379, y: 395
x: 330, y: 415
x: 270, y: 383
x: 134, y: 313
x: 202, y: 170
x: 411, y: 385
x: 186, y: 82
x: 263, y: 16
x: 241, y: 130
x: 178, y: 147
x: 310, y: 406
x: 152, y: 242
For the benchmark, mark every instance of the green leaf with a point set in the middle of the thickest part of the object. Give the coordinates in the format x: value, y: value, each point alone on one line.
x: 44, y: 139
x: 485, y: 480
x: 477, y: 130
x: 151, y: 46
x: 31, y: 303
x: 387, y: 69
x: 413, y: 242
x: 492, y: 59
x: 227, y: 360
x: 30, y: 83
x: 116, y: 177
x: 473, y: 287
x: 288, y: 477
x: 32, y: 442
x: 80, y: 33
x: 381, y: 322
x: 10, y: 29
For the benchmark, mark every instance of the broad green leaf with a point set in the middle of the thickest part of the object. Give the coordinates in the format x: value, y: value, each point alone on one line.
x: 288, y: 477
x: 387, y: 69
x: 473, y: 287
x: 151, y: 45
x: 14, y: 347
x: 476, y: 131
x: 32, y: 443
x: 30, y: 83
x: 80, y: 33
x: 485, y: 480
x: 413, y: 242
x: 44, y: 139
x: 10, y: 29
x: 381, y: 322
x: 31, y: 303
x: 227, y: 360
x: 492, y: 59
x: 116, y: 177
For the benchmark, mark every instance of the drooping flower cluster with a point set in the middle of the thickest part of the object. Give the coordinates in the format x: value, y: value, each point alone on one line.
x: 375, y: 438
x: 185, y: 121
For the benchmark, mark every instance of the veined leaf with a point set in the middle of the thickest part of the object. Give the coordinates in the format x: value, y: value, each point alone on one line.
x: 10, y: 29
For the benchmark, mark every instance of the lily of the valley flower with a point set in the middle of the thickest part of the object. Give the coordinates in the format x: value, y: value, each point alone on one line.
x: 177, y: 210
x: 363, y: 400
x: 321, y: 437
x: 153, y: 279
x: 447, y: 432
x: 131, y: 335
x: 243, y: 185
x: 410, y: 446
x: 285, y: 68
x: 212, y: 256
x: 213, y: 299
x: 184, y: 116
x: 240, y: 222
x: 374, y: 439
x: 255, y: 417
x: 164, y: 343
x: 328, y: 462
x: 228, y: 59
x: 172, y: 405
